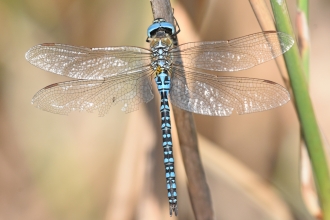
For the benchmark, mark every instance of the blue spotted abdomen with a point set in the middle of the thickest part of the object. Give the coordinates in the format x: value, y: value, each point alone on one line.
x: 164, y: 84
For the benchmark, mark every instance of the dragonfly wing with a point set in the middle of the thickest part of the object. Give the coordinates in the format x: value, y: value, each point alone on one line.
x: 87, y: 63
x: 218, y: 96
x: 233, y: 55
x: 90, y: 95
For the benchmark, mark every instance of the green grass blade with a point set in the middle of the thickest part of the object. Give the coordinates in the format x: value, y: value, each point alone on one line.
x: 310, y: 130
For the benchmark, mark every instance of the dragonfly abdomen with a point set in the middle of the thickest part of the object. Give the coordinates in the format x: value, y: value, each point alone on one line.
x: 163, y: 84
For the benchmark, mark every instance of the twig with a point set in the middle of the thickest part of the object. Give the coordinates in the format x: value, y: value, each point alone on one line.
x: 198, y: 189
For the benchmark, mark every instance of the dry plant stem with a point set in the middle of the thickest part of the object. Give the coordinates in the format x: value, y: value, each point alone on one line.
x: 309, y: 127
x: 198, y: 189
x: 162, y: 9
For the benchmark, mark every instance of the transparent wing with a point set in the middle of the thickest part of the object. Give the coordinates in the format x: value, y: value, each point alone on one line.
x: 233, y: 55
x: 87, y: 63
x: 218, y: 96
x: 90, y: 95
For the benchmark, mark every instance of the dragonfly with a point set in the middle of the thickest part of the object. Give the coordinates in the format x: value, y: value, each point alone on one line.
x: 106, y: 76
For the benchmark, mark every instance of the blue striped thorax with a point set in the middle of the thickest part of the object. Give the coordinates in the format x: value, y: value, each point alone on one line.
x: 160, y: 45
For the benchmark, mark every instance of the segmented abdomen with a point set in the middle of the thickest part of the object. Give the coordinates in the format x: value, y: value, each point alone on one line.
x: 163, y: 84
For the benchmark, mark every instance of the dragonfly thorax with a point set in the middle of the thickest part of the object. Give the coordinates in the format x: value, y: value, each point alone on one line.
x: 160, y: 46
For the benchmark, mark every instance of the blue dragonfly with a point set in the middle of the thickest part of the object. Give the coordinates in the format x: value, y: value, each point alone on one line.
x: 109, y: 75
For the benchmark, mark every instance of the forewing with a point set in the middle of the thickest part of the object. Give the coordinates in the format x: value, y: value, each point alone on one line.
x: 232, y: 55
x: 218, y: 96
x: 87, y: 63
x: 90, y: 95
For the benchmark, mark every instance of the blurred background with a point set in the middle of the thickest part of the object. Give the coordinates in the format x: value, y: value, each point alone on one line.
x: 84, y: 167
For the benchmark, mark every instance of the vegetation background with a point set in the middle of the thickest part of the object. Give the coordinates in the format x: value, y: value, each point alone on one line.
x: 87, y: 167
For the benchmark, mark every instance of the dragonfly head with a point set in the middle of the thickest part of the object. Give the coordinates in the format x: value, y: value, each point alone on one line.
x: 160, y: 25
